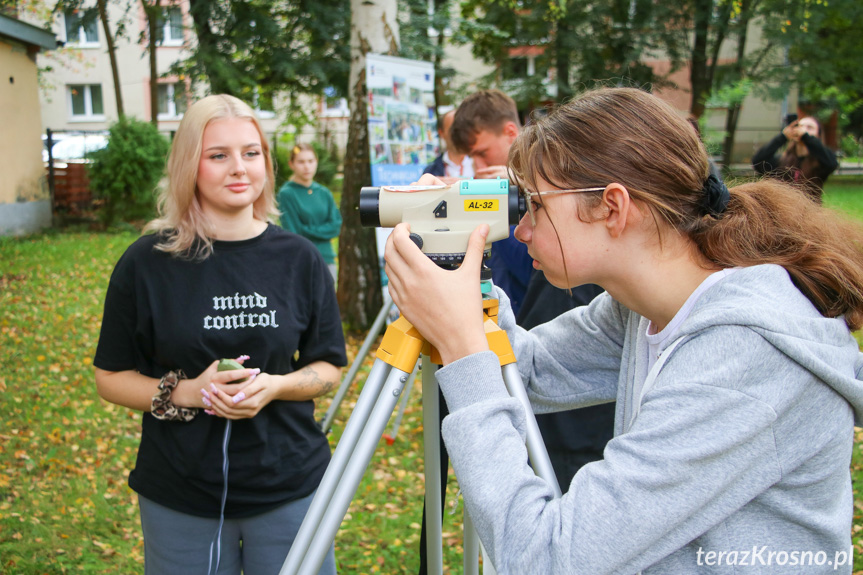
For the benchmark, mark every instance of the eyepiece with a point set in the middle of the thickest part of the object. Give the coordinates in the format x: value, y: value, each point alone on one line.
x: 517, y: 205
x: 370, y: 200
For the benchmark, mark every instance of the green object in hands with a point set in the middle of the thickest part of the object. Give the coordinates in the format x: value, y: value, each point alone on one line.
x: 231, y: 364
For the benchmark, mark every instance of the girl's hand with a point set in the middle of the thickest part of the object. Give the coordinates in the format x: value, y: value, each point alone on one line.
x: 429, y: 180
x: 792, y: 132
x: 444, y: 306
x: 245, y: 400
x: 241, y: 400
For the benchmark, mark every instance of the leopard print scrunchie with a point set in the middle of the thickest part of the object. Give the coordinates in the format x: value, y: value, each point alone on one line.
x: 161, y: 406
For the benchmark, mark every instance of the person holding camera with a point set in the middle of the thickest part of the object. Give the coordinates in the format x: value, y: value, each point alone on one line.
x: 806, y: 161
x: 228, y: 461
x: 730, y: 356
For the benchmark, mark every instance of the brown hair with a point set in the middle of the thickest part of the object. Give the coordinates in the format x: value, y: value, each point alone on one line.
x: 181, y: 220
x: 630, y: 137
x: 301, y: 148
x: 484, y: 110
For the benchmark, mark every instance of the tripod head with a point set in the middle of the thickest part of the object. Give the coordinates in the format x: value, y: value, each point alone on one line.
x: 443, y: 217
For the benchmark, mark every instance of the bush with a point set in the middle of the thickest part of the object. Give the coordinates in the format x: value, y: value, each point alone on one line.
x: 328, y: 164
x: 851, y: 147
x: 124, y: 174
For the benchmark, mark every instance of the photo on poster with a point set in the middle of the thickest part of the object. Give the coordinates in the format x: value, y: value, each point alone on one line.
x: 406, y: 122
x: 381, y: 154
x: 377, y: 131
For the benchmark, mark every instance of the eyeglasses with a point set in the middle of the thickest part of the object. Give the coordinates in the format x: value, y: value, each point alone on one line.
x: 528, y: 198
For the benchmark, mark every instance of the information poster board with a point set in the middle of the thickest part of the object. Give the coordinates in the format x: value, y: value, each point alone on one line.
x: 402, y: 121
x: 403, y: 137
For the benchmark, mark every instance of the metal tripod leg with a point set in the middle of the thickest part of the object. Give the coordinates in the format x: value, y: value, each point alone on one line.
x: 327, y: 422
x: 431, y: 456
x: 539, y: 459
x: 345, y: 471
x: 394, y: 430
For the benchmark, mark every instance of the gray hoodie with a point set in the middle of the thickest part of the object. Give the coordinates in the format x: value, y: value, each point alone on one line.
x: 737, y: 462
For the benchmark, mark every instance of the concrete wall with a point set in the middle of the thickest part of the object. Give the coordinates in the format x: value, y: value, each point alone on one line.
x: 25, y: 204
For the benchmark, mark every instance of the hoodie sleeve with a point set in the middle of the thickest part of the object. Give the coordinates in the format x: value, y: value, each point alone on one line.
x: 700, y: 449
x: 573, y: 360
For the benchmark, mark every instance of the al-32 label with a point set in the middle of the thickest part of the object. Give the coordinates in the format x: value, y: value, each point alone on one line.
x: 481, y: 205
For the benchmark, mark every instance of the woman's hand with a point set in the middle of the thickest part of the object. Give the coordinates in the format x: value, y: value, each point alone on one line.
x: 444, y: 306
x: 792, y: 132
x: 241, y: 400
x: 245, y: 400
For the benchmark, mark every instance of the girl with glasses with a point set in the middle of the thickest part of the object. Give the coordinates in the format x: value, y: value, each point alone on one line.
x: 724, y: 336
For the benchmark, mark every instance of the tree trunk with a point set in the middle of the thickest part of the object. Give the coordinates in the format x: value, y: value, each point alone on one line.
x: 152, y: 13
x: 733, y: 113
x: 698, y: 72
x: 112, y: 55
x: 562, y: 60
x: 374, y: 29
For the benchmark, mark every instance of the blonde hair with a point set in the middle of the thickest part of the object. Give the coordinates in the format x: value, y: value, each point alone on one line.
x: 630, y: 137
x: 181, y: 221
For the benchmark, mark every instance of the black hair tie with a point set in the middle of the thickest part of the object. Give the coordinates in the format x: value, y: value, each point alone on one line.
x: 716, y: 196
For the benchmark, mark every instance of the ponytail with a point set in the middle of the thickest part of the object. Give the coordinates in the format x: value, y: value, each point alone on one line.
x: 773, y: 222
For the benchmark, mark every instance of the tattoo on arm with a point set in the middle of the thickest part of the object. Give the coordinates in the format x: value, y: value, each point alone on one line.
x: 310, y: 382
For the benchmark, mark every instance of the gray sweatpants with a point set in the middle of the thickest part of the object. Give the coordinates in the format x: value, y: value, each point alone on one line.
x: 179, y: 544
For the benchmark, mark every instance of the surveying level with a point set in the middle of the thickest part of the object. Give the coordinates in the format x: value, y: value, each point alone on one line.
x: 442, y: 217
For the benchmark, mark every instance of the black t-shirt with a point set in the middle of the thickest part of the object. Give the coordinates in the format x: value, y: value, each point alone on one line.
x: 270, y: 297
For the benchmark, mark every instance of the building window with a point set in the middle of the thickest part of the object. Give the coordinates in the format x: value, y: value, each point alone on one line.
x: 85, y: 102
x: 172, y: 101
x: 82, y: 27
x: 169, y: 29
x: 334, y: 106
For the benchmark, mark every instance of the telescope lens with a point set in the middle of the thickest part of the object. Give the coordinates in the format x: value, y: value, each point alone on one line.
x: 370, y: 216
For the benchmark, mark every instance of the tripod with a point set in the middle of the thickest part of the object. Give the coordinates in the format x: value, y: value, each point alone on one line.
x: 396, y: 357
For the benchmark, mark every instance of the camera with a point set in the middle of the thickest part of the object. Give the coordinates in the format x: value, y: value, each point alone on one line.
x: 790, y: 119
x: 442, y: 217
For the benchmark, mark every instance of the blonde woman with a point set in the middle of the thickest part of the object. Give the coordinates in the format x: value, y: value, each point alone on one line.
x: 723, y: 335
x: 225, y: 470
x: 307, y: 207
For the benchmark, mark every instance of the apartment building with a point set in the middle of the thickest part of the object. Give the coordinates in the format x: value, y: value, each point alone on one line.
x: 79, y: 90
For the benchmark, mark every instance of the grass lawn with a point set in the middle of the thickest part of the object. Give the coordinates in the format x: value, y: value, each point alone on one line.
x: 65, y: 454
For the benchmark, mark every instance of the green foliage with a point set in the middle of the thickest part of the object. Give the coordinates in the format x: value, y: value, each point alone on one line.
x: 423, y: 35
x: 125, y: 173
x: 584, y: 41
x: 824, y: 45
x: 851, y: 146
x: 256, y: 49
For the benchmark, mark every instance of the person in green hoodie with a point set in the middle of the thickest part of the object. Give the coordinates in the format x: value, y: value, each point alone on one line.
x: 308, y: 208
